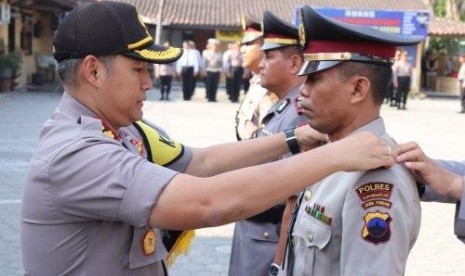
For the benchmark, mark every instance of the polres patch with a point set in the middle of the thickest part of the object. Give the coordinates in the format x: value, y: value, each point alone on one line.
x: 374, y: 190
x: 377, y: 227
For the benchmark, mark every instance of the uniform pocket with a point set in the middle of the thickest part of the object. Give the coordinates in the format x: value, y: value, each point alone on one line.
x: 313, y: 232
x: 311, y: 243
x: 262, y: 231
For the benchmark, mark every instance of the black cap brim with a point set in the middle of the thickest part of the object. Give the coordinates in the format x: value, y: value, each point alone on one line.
x: 156, y: 54
x: 251, y: 37
x: 314, y: 66
x: 272, y: 46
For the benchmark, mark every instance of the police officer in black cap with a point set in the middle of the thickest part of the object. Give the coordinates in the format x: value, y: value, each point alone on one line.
x: 368, y: 223
x: 255, y: 239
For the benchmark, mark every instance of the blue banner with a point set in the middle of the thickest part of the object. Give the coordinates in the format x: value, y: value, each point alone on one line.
x: 413, y: 24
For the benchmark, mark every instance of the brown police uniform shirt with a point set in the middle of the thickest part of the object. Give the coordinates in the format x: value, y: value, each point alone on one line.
x: 87, y: 199
x: 357, y: 223
x: 253, y: 108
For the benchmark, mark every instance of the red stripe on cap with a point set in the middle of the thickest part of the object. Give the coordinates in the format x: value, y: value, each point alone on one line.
x: 273, y: 35
x: 366, y: 48
x: 251, y: 29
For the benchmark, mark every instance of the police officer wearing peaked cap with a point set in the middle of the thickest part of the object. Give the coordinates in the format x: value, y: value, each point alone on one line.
x: 252, y: 29
x: 328, y: 42
x: 278, y: 33
x: 368, y: 225
x: 258, y: 100
x: 255, y: 239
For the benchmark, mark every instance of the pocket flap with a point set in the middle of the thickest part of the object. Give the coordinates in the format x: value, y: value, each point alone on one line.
x: 313, y: 232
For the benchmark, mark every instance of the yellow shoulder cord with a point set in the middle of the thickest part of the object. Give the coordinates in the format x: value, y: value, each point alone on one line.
x: 163, y: 151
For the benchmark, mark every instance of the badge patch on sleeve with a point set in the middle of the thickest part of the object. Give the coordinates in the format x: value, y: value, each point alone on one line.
x: 374, y: 190
x: 377, y: 227
x: 375, y: 194
x: 160, y: 149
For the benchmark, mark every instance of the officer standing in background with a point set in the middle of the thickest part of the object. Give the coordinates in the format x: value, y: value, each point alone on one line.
x: 255, y: 239
x: 258, y: 100
x: 402, y: 75
x: 188, y: 67
x: 370, y: 222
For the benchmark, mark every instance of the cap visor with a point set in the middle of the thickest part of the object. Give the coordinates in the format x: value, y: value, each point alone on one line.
x: 156, y: 54
x: 271, y: 46
x: 314, y: 66
x: 250, y: 38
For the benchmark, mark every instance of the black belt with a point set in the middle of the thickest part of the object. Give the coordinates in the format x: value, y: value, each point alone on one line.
x: 273, y: 215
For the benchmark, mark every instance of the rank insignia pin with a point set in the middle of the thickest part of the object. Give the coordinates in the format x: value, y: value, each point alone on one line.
x: 148, y: 243
x: 139, y: 145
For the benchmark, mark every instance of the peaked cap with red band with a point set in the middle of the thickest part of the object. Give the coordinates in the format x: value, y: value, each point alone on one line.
x: 278, y: 33
x: 252, y: 29
x: 328, y: 42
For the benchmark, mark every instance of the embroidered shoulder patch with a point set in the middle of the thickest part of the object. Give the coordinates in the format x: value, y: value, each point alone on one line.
x: 374, y: 190
x: 160, y: 149
x: 377, y: 227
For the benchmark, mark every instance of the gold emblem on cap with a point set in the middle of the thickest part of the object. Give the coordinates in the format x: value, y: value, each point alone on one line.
x: 148, y: 242
x: 302, y: 30
x: 346, y: 56
x: 167, y: 56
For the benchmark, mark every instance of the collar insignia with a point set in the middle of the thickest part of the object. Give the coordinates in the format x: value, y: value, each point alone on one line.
x: 282, y: 105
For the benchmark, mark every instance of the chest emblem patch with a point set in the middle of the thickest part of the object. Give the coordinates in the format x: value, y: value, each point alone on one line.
x: 377, y: 227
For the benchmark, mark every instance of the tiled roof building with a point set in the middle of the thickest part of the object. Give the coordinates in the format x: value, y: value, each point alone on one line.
x: 220, y: 14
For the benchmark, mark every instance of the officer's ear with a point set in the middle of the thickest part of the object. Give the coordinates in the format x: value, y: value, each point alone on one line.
x: 296, y: 61
x: 361, y: 88
x: 91, y: 69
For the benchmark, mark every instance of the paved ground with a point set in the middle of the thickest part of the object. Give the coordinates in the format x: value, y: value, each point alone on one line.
x: 432, y: 122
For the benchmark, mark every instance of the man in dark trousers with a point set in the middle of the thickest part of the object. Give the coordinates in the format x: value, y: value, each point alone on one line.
x: 188, y: 67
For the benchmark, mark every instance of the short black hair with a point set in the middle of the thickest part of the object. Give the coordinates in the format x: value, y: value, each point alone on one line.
x: 379, y: 76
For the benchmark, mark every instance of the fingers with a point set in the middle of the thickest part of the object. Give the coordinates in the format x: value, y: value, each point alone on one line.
x: 409, y: 152
x: 402, y: 148
x: 309, y: 138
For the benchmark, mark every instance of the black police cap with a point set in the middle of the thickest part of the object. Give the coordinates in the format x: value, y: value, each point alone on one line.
x: 278, y: 33
x: 328, y: 42
x: 108, y: 28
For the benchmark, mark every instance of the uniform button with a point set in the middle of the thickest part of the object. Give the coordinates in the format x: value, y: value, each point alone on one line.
x: 266, y: 235
x: 310, y: 237
x: 307, y: 195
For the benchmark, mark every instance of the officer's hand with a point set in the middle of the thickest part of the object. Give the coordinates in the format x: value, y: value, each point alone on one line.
x: 428, y: 172
x: 308, y: 138
x: 362, y: 151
